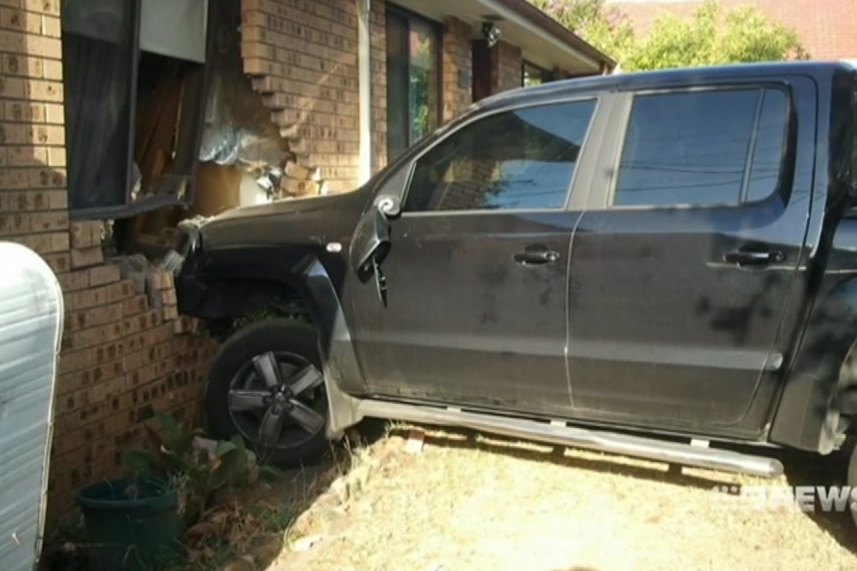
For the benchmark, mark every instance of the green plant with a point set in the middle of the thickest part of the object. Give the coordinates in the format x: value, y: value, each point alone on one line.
x: 191, y: 469
x: 255, y: 317
x: 713, y: 34
x: 267, y: 313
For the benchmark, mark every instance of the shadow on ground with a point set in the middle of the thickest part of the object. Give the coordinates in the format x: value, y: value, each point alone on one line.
x: 804, y: 469
x: 243, y: 530
x: 257, y: 521
x: 556, y: 455
x: 801, y: 469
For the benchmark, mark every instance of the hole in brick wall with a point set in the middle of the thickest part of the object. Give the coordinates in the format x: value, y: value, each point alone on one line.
x: 242, y: 157
x: 137, y: 282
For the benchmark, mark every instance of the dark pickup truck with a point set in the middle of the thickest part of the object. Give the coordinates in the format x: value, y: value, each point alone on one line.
x: 652, y: 264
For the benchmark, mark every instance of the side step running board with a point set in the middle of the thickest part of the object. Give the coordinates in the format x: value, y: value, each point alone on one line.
x: 603, y: 441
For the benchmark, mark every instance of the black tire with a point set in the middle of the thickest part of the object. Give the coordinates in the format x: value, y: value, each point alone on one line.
x: 287, y: 339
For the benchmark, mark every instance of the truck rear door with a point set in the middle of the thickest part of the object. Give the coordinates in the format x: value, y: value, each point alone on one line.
x: 687, y: 255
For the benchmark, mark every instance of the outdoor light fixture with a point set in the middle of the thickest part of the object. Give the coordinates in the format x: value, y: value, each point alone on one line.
x: 491, y: 33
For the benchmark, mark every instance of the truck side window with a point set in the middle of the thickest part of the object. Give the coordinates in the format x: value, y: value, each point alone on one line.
x: 693, y: 148
x: 769, y: 150
x: 854, y: 134
x: 522, y: 159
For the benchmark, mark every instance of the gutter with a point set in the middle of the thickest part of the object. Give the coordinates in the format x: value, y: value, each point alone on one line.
x: 364, y: 67
x: 537, y: 22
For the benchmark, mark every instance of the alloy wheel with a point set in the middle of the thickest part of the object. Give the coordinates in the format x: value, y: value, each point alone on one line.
x: 276, y: 400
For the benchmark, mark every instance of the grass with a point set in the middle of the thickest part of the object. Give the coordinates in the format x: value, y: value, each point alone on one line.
x: 254, y: 524
x: 471, y: 502
x: 251, y: 523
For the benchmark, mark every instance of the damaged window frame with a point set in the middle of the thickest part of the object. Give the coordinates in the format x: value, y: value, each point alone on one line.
x: 175, y: 186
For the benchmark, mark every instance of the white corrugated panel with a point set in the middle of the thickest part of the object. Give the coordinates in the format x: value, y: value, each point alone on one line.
x: 31, y: 323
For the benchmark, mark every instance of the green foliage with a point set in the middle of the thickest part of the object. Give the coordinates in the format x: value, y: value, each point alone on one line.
x: 245, y: 320
x: 605, y: 27
x: 713, y: 35
x: 193, y: 471
x: 265, y: 314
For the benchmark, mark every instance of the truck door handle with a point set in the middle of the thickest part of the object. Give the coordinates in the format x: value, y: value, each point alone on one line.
x: 536, y: 257
x: 748, y: 258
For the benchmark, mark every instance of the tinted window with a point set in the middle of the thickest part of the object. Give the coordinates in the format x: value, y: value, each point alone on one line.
x: 854, y: 134
x: 769, y: 146
x: 692, y: 148
x: 513, y: 160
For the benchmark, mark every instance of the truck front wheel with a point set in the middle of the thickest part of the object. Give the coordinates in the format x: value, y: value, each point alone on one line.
x: 266, y: 384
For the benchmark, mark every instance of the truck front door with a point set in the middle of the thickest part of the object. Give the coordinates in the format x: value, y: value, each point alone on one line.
x: 477, y: 270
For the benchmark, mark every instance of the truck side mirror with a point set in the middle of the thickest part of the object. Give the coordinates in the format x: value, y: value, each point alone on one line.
x: 371, y: 241
x: 370, y: 245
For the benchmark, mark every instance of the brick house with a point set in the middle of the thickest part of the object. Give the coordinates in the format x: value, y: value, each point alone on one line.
x: 826, y: 29
x: 335, y: 86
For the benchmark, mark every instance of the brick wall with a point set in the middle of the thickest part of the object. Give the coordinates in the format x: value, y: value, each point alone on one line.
x: 33, y: 201
x: 120, y: 357
x: 379, y: 84
x: 457, y: 65
x: 125, y: 354
x: 506, y: 67
x: 495, y: 68
x: 303, y: 56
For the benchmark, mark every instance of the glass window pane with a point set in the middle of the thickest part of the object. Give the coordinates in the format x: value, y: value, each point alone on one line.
x: 687, y: 148
x: 398, y: 129
x: 533, y: 75
x: 521, y: 159
x: 97, y: 46
x: 423, y: 80
x: 854, y: 134
x: 770, y: 146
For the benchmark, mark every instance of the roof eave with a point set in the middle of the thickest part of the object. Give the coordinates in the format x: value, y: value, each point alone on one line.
x: 528, y: 16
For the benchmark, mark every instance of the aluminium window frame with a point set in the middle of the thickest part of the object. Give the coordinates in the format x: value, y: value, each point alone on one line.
x: 438, y: 33
x: 143, y: 204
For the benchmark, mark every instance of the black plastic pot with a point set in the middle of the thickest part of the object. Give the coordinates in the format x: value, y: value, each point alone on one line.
x: 134, y: 532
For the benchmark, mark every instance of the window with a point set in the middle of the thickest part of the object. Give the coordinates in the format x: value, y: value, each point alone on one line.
x: 522, y: 159
x: 413, y: 80
x: 694, y: 148
x: 134, y: 83
x: 853, y: 130
x: 769, y: 147
x: 532, y: 74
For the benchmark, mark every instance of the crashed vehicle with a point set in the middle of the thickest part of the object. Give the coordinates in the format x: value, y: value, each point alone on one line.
x: 657, y: 264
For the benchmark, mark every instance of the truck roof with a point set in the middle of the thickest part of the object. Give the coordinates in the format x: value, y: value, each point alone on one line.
x: 665, y: 78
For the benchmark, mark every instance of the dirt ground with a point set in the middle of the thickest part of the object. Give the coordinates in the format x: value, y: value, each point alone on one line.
x: 467, y: 502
